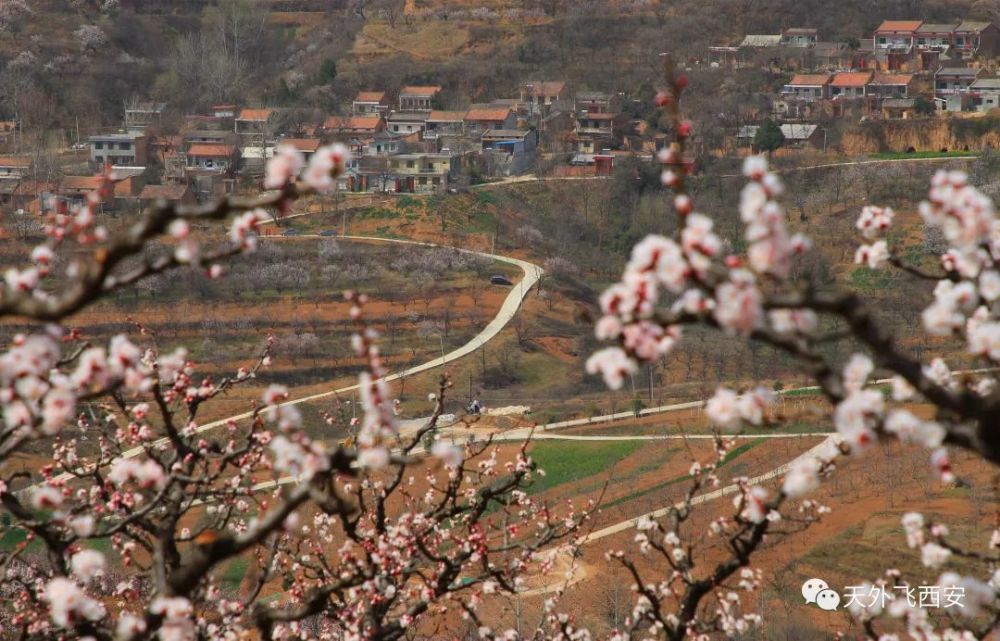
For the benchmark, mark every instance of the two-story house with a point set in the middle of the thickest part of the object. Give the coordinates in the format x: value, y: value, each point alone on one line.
x: 418, y: 97
x: 890, y: 85
x: 799, y: 37
x: 343, y: 128
x: 482, y: 117
x: 421, y: 173
x: 118, y: 149
x: 539, y: 96
x: 954, y: 80
x: 140, y: 115
x: 367, y: 103
x: 976, y: 38
x: 219, y: 159
x: 985, y: 94
x: 444, y: 123
x: 408, y: 122
x: 15, y: 167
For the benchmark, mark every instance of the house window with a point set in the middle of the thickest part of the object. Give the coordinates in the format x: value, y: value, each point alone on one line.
x: 881, y: 41
x: 395, y: 127
x: 125, y: 146
x: 409, y: 164
x: 435, y: 180
x: 423, y: 180
x: 98, y: 145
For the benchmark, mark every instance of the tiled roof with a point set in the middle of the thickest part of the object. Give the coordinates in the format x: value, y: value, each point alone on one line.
x: 487, y: 114
x: 972, y: 26
x: 352, y: 122
x: 163, y: 192
x: 446, y: 116
x: 968, y: 72
x: 986, y: 83
x: 899, y: 25
x: 217, y: 151
x: 851, y: 79
x: 256, y: 115
x: 302, y: 144
x: 810, y: 79
x: 15, y: 161
x: 420, y: 90
x: 929, y: 27
x: 370, y: 96
x: 892, y: 79
x: 80, y: 183
x: 544, y: 88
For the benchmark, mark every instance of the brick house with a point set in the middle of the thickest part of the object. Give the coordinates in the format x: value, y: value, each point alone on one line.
x: 483, y: 117
x: 367, y: 103
x: 850, y: 84
x: 891, y: 85
x: 808, y: 87
x: 976, y: 39
x: 418, y: 97
x: 171, y: 194
x: 799, y: 37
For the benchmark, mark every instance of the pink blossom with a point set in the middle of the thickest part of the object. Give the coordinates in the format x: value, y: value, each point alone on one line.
x: 613, y: 364
x: 802, y: 478
x: 874, y: 220
x: 649, y: 341
x: 754, y: 504
x: 857, y: 371
x: 908, y: 428
x: 989, y: 284
x: 855, y: 417
x: 325, y: 166
x: 608, y: 328
x: 941, y: 463
x: 964, y: 214
x: 69, y: 605
x: 738, y: 303
x: 87, y: 564
x: 46, y: 497
x: 57, y: 408
x: 875, y: 255
x: 755, y: 167
x: 799, y: 321
x: 373, y: 457
x: 147, y: 474
x: 283, y: 167
x: 984, y: 340
x: 722, y: 409
x: 913, y: 525
x: 450, y: 455
x: 933, y: 555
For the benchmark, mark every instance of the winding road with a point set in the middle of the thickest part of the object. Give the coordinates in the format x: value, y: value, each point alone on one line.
x: 531, y: 274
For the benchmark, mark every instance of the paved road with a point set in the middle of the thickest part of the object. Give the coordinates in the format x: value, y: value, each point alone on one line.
x: 507, y: 310
x: 528, y: 178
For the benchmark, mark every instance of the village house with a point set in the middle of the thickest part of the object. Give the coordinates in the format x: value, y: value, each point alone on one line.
x: 421, y: 173
x: 15, y: 167
x: 849, y: 84
x: 418, y: 98
x: 220, y: 159
x: 367, y: 103
x: 255, y: 127
x: 974, y: 38
x: 985, y: 94
x: 343, y: 128
x: 954, y: 80
x: 758, y: 41
x: 808, y: 87
x: 170, y: 194
x: 542, y: 95
x: 25, y: 196
x: 899, y: 108
x: 479, y: 118
x: 75, y: 189
x: 592, y: 102
x: 118, y: 150
x: 890, y: 85
x: 305, y: 146
x: 934, y: 36
x: 896, y: 35
x: 444, y: 123
x: 141, y: 115
x: 385, y: 143
x: 408, y: 122
x: 508, y: 152
x: 799, y: 37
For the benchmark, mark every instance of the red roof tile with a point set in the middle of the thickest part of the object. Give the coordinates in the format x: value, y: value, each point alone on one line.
x: 420, y: 90
x: 851, y: 79
x: 370, y: 96
x: 215, y: 151
x: 256, y: 115
x: 352, y: 122
x: 486, y: 114
x: 810, y: 79
x: 164, y: 192
x: 899, y: 25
